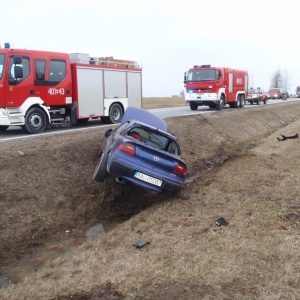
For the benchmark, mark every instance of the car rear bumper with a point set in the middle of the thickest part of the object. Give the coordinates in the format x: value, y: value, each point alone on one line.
x: 126, y: 171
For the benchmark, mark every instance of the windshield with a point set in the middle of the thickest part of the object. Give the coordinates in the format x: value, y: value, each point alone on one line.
x: 254, y: 91
x: 274, y: 91
x: 201, y: 75
x: 2, y: 60
x: 154, y: 138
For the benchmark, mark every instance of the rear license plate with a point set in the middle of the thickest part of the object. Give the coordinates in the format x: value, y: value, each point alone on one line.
x: 147, y: 178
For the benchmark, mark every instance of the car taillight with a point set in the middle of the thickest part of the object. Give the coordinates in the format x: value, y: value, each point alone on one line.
x: 180, y: 169
x: 128, y: 148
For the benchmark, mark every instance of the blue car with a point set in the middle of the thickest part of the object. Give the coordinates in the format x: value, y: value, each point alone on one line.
x: 141, y: 151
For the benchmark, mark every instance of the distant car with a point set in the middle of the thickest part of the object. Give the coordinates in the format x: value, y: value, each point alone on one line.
x: 298, y: 92
x: 277, y: 93
x: 284, y: 94
x: 141, y: 151
x: 257, y: 96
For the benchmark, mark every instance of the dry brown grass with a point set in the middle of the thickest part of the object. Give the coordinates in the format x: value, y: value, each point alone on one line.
x: 156, y: 102
x: 241, y: 172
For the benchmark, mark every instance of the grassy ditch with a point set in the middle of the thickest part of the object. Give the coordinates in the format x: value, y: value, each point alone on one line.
x: 238, y: 171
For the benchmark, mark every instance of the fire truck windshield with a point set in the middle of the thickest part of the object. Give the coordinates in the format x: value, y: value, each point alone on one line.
x: 2, y: 58
x: 201, y: 75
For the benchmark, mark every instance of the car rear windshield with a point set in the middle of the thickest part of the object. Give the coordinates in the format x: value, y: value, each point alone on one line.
x: 156, y: 139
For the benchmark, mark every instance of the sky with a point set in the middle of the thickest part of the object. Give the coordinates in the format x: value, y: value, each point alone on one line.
x: 164, y: 37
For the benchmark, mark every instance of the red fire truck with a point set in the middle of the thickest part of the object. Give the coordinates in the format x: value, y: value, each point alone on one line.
x: 215, y: 87
x: 40, y: 88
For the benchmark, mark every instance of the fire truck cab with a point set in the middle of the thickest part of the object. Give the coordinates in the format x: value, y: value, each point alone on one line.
x: 215, y: 87
x: 40, y: 88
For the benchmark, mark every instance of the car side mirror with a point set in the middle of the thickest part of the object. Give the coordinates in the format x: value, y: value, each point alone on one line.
x: 108, y: 133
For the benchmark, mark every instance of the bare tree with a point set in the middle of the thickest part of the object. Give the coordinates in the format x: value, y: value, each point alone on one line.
x: 286, y: 80
x: 280, y: 80
x: 277, y: 79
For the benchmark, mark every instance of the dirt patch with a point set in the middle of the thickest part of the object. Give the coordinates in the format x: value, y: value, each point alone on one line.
x: 47, y: 190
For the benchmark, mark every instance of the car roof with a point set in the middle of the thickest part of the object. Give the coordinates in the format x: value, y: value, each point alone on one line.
x: 144, y: 116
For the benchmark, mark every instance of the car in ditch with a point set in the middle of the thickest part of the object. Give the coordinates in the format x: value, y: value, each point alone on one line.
x: 141, y: 151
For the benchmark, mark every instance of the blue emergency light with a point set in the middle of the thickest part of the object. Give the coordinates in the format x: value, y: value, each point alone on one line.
x: 7, y: 45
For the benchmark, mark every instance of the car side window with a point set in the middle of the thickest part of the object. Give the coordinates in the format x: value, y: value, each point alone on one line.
x: 172, y: 148
x: 121, y: 127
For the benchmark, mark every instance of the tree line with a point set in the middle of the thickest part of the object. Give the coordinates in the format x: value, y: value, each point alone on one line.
x: 280, y: 79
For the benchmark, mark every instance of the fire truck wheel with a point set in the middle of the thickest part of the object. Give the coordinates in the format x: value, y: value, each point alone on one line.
x: 3, y: 128
x: 35, y: 121
x: 242, y: 103
x: 258, y: 102
x: 221, y: 103
x: 237, y: 103
x: 193, y: 106
x: 100, y: 172
x: 115, y: 113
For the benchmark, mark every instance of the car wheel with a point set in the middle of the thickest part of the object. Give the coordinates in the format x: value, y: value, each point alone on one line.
x: 193, y: 106
x: 102, y: 147
x: 258, y: 102
x: 100, y: 172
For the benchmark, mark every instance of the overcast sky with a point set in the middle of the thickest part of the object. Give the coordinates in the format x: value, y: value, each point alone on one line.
x: 165, y: 37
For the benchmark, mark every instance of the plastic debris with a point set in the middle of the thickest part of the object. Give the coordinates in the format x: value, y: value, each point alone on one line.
x: 221, y: 222
x: 140, y: 244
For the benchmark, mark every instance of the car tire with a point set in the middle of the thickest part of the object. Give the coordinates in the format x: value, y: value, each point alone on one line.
x: 102, y: 147
x: 100, y: 172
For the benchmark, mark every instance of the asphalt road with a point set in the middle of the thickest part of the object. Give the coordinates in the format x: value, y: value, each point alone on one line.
x: 17, y: 133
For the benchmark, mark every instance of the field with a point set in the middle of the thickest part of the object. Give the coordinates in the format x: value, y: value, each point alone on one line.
x: 237, y: 169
